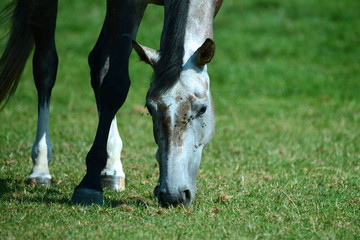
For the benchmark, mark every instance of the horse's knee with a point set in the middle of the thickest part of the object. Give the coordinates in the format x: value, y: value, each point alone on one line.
x: 114, y: 90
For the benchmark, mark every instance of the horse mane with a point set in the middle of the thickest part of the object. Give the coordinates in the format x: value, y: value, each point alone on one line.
x: 167, y: 70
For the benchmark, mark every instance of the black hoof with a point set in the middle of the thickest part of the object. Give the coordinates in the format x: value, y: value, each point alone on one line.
x: 39, y: 181
x: 113, y: 182
x: 87, y: 196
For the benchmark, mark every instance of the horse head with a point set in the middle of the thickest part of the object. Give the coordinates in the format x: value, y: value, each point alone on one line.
x: 183, y: 124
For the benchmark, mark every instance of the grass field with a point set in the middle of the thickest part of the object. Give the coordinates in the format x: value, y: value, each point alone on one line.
x: 285, y: 159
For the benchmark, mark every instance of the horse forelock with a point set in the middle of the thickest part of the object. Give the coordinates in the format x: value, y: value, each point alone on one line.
x: 167, y: 70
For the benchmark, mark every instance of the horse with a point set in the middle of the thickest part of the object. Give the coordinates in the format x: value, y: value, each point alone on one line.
x: 179, y: 98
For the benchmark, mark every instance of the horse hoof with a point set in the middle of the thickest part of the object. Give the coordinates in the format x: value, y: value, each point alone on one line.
x: 39, y: 181
x: 87, y: 196
x: 116, y: 183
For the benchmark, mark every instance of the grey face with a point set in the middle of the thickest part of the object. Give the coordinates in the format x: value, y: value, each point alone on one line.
x: 183, y: 123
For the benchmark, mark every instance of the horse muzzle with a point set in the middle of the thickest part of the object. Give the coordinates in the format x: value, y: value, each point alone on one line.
x: 167, y: 198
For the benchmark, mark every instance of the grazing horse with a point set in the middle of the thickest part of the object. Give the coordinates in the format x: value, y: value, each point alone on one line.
x: 178, y: 99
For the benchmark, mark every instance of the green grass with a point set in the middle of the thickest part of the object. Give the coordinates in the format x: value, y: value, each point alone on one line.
x: 285, y: 158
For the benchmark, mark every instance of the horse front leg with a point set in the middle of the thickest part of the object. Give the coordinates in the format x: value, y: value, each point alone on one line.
x: 124, y: 17
x: 45, y: 62
x: 112, y: 176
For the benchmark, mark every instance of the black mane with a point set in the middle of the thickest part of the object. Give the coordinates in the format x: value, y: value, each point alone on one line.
x: 167, y: 70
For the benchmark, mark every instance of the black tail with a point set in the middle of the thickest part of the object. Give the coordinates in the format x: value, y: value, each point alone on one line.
x: 17, y: 50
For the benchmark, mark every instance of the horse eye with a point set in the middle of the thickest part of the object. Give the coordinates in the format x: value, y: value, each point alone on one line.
x: 202, y: 110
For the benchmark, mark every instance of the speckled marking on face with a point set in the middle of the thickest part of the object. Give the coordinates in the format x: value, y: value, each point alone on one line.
x: 182, y: 118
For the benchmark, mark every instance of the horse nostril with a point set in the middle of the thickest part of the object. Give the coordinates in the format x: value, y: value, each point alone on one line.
x: 157, y: 190
x: 186, y: 194
x: 162, y: 198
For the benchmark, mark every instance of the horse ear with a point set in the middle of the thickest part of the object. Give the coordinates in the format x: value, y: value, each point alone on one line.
x: 148, y: 55
x: 217, y: 6
x: 205, y: 53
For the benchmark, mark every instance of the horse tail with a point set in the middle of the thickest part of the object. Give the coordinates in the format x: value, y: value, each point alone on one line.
x: 17, y: 50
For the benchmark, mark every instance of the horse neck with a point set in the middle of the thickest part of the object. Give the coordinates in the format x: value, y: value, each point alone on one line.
x: 199, y: 25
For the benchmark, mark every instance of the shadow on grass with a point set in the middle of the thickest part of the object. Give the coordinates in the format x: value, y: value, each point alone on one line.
x: 14, y: 190
x: 17, y: 191
x: 133, y: 202
x: 4, y: 187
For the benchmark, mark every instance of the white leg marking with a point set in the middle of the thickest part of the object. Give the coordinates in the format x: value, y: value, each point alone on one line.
x: 114, y: 146
x: 40, y: 159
